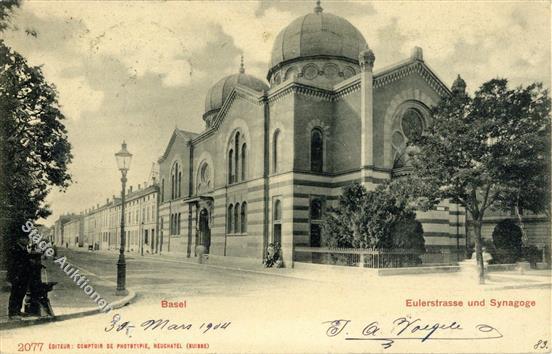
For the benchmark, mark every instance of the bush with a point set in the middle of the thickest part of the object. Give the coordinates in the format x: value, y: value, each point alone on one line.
x: 408, y: 234
x: 365, y: 219
x: 507, y: 241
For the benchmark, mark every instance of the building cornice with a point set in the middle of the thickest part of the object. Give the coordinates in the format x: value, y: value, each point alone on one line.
x: 382, y: 78
x: 240, y: 91
x: 408, y: 67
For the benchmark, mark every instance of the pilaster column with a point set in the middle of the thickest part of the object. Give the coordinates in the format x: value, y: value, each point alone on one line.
x: 366, y: 61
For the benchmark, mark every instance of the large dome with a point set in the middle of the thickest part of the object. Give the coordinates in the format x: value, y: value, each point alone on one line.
x: 218, y: 93
x: 317, y: 35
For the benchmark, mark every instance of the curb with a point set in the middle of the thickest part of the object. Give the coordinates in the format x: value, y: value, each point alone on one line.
x: 25, y: 323
x: 521, y: 286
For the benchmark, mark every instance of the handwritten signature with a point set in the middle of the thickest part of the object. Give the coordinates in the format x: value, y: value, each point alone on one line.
x: 118, y: 325
x: 408, y: 328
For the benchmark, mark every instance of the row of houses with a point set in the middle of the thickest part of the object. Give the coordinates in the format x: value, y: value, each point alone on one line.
x: 99, y: 227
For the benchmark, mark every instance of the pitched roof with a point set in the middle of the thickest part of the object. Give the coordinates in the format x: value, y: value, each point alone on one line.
x: 177, y: 133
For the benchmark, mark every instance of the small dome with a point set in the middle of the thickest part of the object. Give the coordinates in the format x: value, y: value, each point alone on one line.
x: 459, y: 85
x: 218, y: 93
x: 317, y: 34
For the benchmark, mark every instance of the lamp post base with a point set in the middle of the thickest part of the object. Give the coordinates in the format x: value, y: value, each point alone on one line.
x: 123, y: 292
x: 121, y: 275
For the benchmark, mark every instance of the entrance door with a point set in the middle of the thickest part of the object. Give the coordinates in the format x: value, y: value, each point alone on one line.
x: 204, y: 230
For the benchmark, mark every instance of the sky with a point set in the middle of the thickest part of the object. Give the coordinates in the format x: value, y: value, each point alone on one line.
x: 135, y: 70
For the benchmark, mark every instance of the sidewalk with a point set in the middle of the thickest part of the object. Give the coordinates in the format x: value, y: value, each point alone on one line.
x: 67, y: 298
x: 331, y: 274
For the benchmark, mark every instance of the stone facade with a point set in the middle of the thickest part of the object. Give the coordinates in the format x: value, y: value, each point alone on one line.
x: 273, y: 158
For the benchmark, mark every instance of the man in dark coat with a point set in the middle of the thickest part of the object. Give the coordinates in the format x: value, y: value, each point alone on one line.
x: 19, y: 275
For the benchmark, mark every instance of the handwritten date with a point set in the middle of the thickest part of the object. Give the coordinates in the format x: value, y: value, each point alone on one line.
x: 117, y: 325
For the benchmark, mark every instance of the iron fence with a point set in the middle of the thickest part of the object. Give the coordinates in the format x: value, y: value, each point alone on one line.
x: 371, y: 258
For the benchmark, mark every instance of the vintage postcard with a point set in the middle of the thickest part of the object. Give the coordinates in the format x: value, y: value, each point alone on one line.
x: 275, y: 176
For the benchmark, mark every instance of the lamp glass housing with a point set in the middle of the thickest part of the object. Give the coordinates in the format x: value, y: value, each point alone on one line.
x: 123, y: 158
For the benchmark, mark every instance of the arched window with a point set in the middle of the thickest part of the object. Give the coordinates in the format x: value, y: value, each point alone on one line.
x: 170, y: 224
x: 278, y: 210
x: 243, y: 161
x: 317, y: 150
x: 204, y: 173
x: 203, y: 178
x: 275, y: 152
x: 237, y: 219
x: 229, y: 218
x: 172, y: 186
x: 175, y: 226
x: 243, y: 217
x: 316, y: 209
x: 179, y: 185
x: 237, y: 157
x: 176, y: 179
x: 231, y: 166
x: 277, y: 222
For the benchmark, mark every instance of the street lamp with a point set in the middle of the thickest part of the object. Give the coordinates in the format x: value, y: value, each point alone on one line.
x: 123, y: 158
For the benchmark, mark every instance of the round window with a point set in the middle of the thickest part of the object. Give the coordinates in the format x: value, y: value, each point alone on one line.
x: 331, y: 71
x: 348, y: 72
x: 411, y: 123
x: 310, y: 71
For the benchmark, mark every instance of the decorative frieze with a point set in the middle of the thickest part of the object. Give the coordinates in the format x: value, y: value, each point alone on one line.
x: 410, y: 68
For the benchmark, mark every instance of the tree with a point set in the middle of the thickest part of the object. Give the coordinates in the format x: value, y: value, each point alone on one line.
x: 6, y: 8
x: 476, y: 145
x: 378, y: 219
x: 34, y: 150
x: 507, y: 241
x: 527, y: 167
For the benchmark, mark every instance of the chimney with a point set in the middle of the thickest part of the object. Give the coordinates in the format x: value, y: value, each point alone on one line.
x: 107, y: 201
x: 129, y: 189
x: 139, y: 186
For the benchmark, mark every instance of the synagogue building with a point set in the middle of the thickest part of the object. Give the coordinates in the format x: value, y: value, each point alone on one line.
x: 275, y: 153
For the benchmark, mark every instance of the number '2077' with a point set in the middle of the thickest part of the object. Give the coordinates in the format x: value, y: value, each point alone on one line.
x: 29, y: 347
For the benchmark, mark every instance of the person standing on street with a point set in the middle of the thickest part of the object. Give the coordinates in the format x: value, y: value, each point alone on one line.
x: 19, y: 275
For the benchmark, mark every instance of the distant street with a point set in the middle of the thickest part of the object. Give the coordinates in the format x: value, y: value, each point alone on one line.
x: 257, y: 306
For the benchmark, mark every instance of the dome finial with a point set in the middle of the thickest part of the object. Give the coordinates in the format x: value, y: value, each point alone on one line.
x: 318, y: 8
x: 242, y: 67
